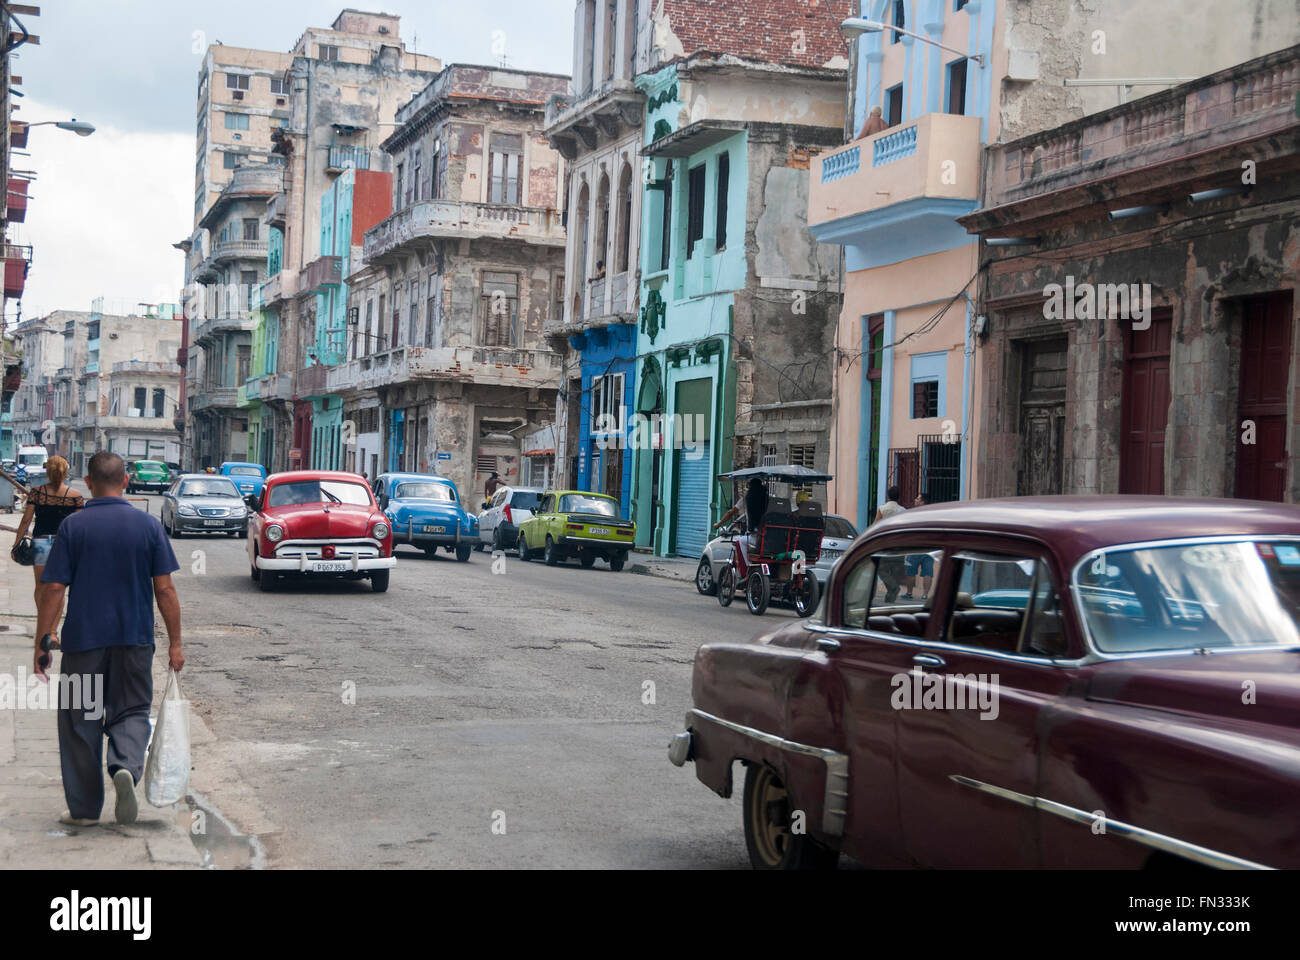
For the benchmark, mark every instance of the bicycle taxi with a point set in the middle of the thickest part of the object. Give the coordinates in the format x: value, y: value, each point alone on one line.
x: 774, y: 561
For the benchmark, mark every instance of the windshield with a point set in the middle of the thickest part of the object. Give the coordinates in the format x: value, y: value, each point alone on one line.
x: 33, y: 459
x: 424, y: 491
x: 208, y: 488
x: 582, y: 503
x: 245, y: 472
x: 840, y: 529
x: 1190, y: 596
x: 319, y: 491
x: 523, y: 500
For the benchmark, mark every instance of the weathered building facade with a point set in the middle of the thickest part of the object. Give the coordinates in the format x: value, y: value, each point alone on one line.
x: 457, y: 283
x: 1141, y: 335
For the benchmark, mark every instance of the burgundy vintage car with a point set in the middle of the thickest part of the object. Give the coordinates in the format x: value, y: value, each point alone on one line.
x: 319, y: 524
x: 1079, y: 682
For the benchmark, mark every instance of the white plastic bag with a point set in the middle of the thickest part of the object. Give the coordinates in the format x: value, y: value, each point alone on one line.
x: 167, y: 766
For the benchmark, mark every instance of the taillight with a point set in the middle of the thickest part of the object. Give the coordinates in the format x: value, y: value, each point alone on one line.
x: 509, y: 519
x: 573, y: 526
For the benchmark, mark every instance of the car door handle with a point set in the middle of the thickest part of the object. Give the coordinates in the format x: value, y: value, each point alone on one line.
x: 929, y: 660
x: 828, y: 644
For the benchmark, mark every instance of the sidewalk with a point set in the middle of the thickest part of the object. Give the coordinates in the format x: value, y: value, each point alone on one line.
x: 669, y: 568
x: 31, y: 788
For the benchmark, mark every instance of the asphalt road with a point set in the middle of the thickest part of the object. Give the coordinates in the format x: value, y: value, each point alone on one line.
x: 534, y: 700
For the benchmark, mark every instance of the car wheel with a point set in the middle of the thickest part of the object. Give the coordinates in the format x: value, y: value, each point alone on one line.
x: 379, y: 581
x: 497, y: 542
x: 771, y: 843
x: 806, y: 595
x: 254, y: 573
x: 173, y: 531
x: 704, y: 578
x: 587, y: 560
x: 431, y: 552
x: 234, y: 533
x: 521, y: 545
x: 727, y: 586
x: 463, y: 551
x: 616, y: 564
x: 551, y: 553
x: 243, y: 533
x: 268, y: 582
x: 758, y: 593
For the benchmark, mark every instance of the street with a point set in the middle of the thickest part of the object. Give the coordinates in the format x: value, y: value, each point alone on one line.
x: 477, y: 695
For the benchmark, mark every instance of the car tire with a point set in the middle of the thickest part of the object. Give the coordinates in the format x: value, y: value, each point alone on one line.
x: 758, y: 592
x: 727, y: 586
x: 587, y: 560
x: 616, y: 564
x: 379, y: 581
x: 497, y: 542
x: 805, y: 599
x: 551, y: 553
x: 768, y: 838
x: 172, y: 531
x: 463, y: 550
x: 431, y: 552
x: 268, y: 581
x: 704, y: 582
x: 521, y: 545
x: 253, y: 572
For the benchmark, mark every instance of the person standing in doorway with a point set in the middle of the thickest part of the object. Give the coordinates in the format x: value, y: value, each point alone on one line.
x: 115, y: 562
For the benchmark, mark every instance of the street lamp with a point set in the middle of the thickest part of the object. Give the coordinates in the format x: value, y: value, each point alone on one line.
x: 854, y: 26
x: 80, y: 127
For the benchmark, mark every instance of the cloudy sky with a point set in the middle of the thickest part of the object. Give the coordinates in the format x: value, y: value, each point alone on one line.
x: 106, y: 209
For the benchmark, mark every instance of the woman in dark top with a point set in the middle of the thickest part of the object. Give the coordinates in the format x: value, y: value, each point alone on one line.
x: 48, y: 505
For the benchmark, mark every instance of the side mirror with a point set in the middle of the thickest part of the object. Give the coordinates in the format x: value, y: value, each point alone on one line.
x: 254, y: 502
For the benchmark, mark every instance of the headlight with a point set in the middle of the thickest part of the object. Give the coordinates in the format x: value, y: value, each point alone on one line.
x: 185, y: 510
x: 275, y: 533
x: 237, y: 511
x: 381, y: 530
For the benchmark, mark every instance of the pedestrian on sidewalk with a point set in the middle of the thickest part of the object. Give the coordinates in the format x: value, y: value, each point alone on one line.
x: 117, y: 561
x: 49, y: 505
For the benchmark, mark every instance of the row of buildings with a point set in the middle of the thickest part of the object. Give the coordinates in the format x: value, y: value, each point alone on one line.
x: 698, y: 253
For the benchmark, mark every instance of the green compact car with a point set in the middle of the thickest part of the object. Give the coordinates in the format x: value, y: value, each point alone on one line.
x: 573, y: 523
x: 148, y: 475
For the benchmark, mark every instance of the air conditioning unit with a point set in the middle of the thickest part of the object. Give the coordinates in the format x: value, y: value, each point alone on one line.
x: 239, y: 94
x: 279, y: 101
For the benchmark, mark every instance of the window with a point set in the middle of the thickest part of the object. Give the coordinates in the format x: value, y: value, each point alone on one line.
x: 435, y: 172
x: 138, y: 404
x: 379, y: 323
x: 958, y: 5
x: 666, y: 224
x: 695, y: 208
x: 280, y: 85
x: 607, y: 404
x: 500, y: 308
x: 996, y: 594
x: 956, y: 87
x: 236, y: 121
x: 724, y: 180
x: 248, y: 281
x: 228, y: 159
x: 768, y: 455
x: 894, y: 105
x: 137, y: 448
x: 252, y: 228
x: 432, y: 328
x: 900, y: 20
x: 400, y: 182
x: 413, y: 313
x: 159, y: 401
x: 883, y: 593
x: 928, y: 371
x: 327, y: 52
x: 417, y: 183
x: 803, y: 455
x: 368, y: 330
x: 505, y: 169
x: 236, y: 81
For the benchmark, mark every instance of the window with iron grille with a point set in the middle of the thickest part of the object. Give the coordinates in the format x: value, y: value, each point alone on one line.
x: 768, y: 458
x: 804, y: 455
x: 500, y: 308
x: 925, y: 399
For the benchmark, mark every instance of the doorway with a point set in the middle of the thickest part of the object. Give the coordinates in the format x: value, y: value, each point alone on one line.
x: 1145, y: 406
x: 1264, y: 380
x: 1041, y: 469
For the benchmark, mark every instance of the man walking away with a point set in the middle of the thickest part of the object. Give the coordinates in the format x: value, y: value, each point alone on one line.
x: 117, y: 561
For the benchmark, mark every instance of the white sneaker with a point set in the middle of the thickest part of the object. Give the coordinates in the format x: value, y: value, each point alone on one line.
x: 72, y: 821
x: 126, y: 808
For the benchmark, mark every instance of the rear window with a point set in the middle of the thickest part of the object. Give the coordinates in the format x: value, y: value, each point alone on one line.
x: 424, y: 490
x: 840, y: 529
x: 583, y: 503
x: 523, y: 500
x: 245, y: 472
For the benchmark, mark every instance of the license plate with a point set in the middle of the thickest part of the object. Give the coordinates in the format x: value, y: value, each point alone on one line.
x: 214, y: 523
x: 598, y: 531
x: 429, y: 529
x: 329, y: 566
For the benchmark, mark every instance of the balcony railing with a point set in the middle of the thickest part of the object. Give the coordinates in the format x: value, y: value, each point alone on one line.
x: 208, y: 397
x: 342, y: 157
x: 462, y: 219
x: 501, y: 366
x: 238, y: 250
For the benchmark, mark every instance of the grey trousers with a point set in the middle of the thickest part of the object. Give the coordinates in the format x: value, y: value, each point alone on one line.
x: 123, y: 716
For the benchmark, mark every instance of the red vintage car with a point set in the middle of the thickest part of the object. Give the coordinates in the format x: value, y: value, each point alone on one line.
x: 1079, y: 682
x: 319, y: 524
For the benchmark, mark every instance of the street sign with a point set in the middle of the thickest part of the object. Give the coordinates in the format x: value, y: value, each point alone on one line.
x: 444, y: 456
x: 295, y: 454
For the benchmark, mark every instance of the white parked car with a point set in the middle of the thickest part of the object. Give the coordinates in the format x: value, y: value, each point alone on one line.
x: 498, y: 525
x: 839, y: 536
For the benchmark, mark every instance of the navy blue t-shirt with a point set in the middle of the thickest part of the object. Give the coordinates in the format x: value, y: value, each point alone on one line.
x: 108, y: 554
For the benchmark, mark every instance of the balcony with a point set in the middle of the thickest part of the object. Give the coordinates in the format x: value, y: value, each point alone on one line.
x: 274, y: 290
x: 224, y: 250
x: 275, y: 211
x: 497, y: 366
x: 321, y: 274
x: 17, y: 261
x: 207, y: 328
x: 914, y: 178
x: 268, y: 386
x: 575, y: 124
x: 452, y: 219
x: 17, y: 200
x: 342, y: 157
x: 207, y: 398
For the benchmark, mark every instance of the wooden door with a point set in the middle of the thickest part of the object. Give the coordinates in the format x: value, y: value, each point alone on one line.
x: 1145, y: 410
x: 1042, y: 417
x: 1265, y: 374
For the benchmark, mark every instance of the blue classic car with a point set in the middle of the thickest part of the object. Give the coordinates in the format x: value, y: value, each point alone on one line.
x: 248, y: 477
x: 425, y: 511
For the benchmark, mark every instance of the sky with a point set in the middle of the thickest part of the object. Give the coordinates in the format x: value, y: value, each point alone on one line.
x: 106, y: 209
